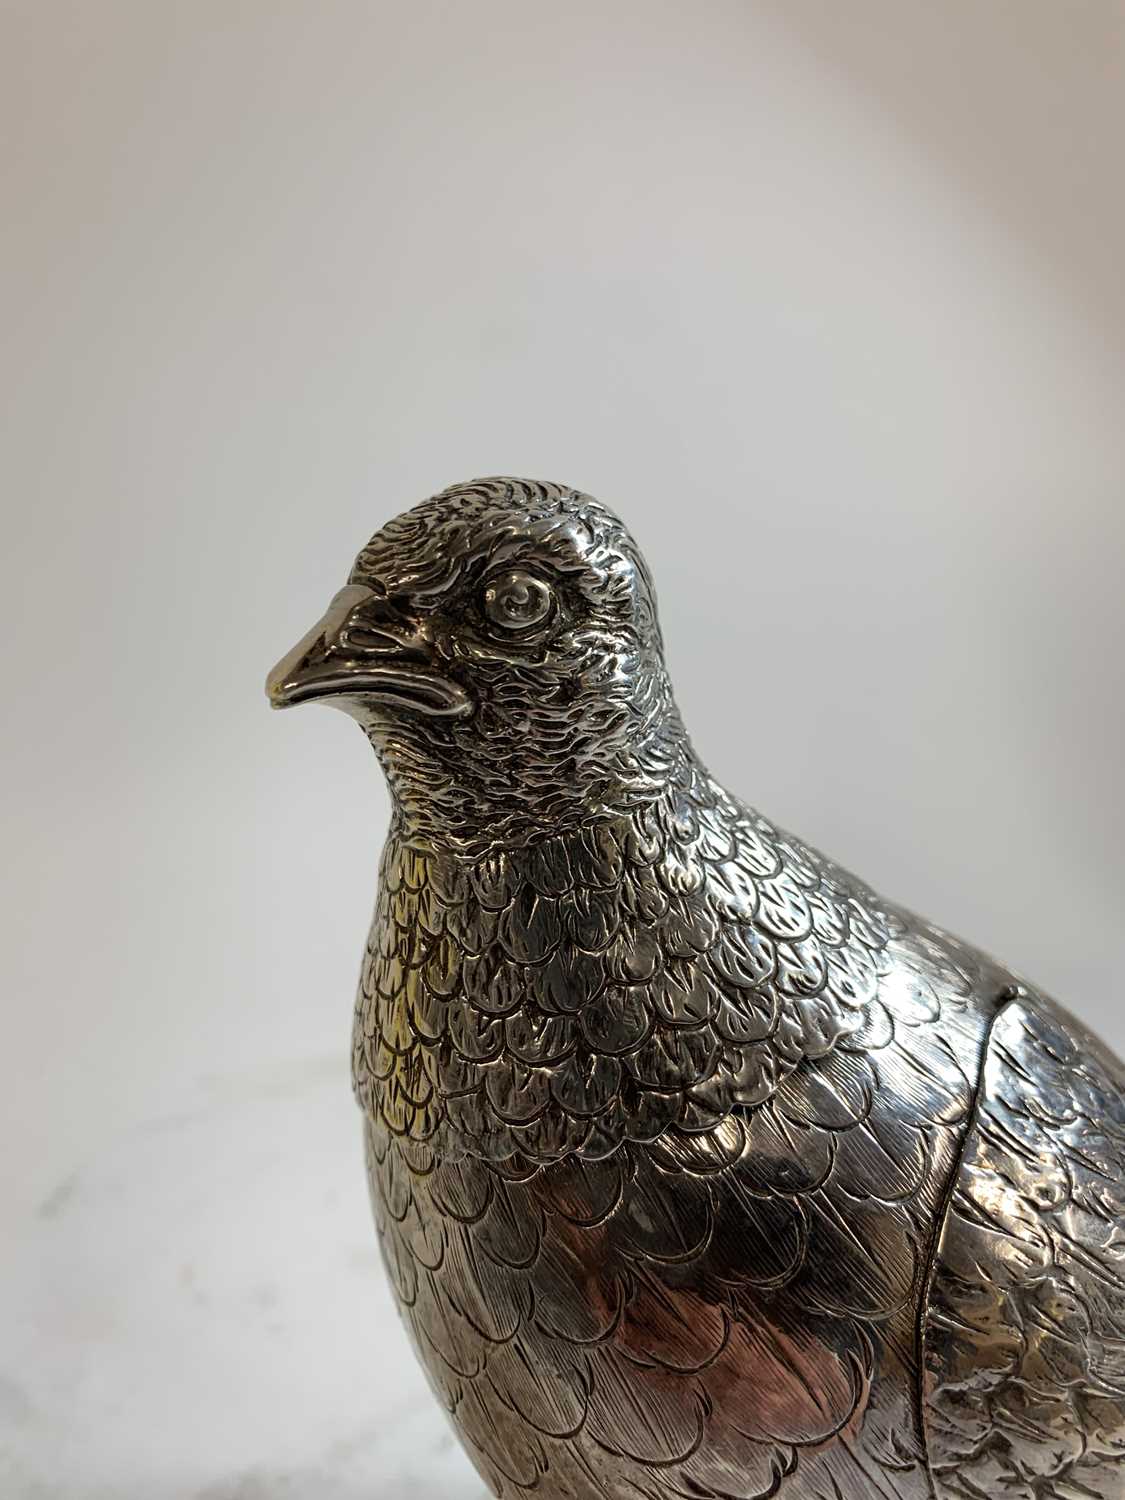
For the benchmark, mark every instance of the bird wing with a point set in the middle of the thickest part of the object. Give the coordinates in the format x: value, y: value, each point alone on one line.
x: 1025, y: 1339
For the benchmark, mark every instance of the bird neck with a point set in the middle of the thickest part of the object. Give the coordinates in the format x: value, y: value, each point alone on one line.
x: 523, y: 837
x: 508, y: 793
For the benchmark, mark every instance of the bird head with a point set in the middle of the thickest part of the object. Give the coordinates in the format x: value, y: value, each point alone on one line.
x: 499, y: 645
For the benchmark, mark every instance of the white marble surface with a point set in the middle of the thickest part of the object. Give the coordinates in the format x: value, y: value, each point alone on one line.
x: 196, y: 1312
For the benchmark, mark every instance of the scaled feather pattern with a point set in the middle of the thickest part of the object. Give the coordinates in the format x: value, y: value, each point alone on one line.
x: 699, y: 1170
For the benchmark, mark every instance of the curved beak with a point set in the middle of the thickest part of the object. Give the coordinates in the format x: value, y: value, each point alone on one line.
x: 353, y: 653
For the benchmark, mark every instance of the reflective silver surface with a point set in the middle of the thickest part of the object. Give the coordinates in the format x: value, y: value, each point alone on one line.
x: 699, y: 1169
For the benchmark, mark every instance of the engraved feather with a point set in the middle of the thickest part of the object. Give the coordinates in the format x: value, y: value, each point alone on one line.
x: 699, y: 1170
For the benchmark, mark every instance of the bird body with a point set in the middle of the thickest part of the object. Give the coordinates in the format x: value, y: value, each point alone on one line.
x: 699, y: 1170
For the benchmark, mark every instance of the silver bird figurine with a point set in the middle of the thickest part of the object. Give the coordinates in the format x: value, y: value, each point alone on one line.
x: 699, y: 1169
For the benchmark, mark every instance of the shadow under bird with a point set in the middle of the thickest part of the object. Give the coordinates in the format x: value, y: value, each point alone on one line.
x: 700, y: 1170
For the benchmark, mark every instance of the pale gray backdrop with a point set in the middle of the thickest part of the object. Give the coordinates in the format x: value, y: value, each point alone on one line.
x: 826, y: 299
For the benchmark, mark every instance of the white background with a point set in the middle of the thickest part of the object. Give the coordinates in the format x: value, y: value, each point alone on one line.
x: 826, y: 299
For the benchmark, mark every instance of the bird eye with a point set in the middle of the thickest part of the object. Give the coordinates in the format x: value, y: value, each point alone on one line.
x: 517, y: 601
